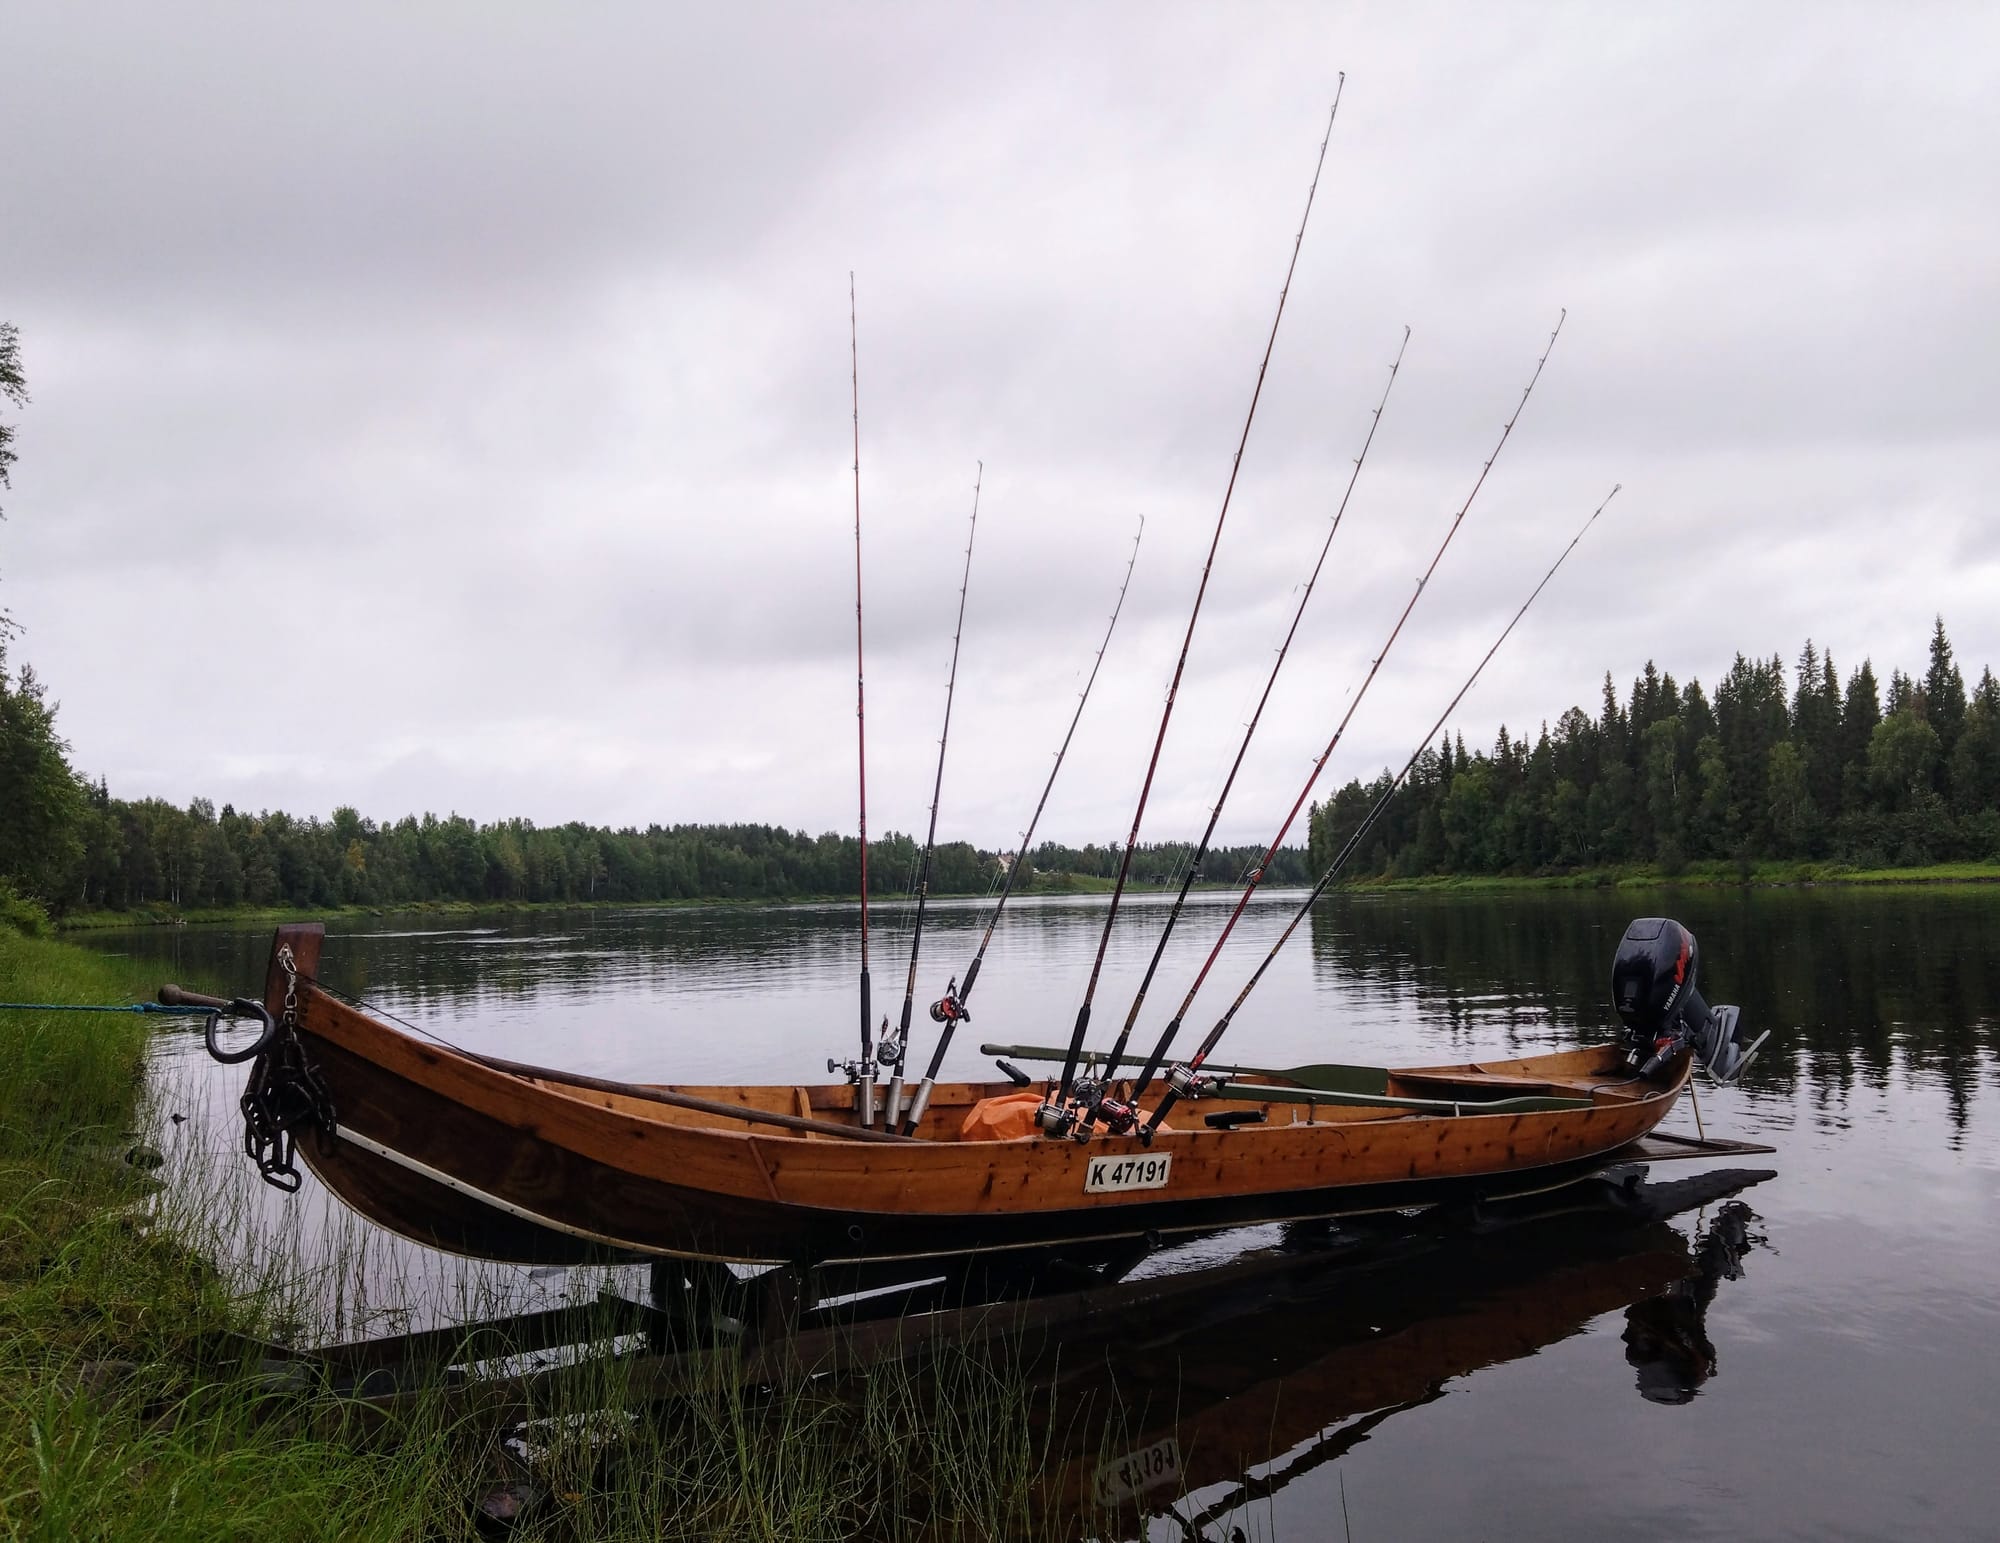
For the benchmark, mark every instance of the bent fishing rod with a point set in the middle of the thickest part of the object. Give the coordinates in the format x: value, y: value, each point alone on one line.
x: 1128, y: 1111
x: 1052, y: 1116
x: 951, y: 1010
x: 1099, y: 1104
x: 1185, y: 1080
x: 890, y: 1052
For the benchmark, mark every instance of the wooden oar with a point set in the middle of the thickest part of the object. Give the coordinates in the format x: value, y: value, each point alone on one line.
x: 1328, y: 1076
x: 685, y: 1101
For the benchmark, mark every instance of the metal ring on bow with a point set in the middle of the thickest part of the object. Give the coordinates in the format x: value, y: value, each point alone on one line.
x: 242, y: 1007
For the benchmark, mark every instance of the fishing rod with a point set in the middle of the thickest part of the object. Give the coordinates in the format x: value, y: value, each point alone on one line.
x: 890, y: 1052
x: 1052, y: 1117
x: 863, y: 1070
x: 1100, y: 1105
x: 1184, y: 1080
x: 950, y: 1010
x: 1127, y: 1112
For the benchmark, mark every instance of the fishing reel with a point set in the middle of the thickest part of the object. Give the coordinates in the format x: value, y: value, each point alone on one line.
x: 888, y: 1045
x: 1054, y: 1119
x: 1653, y: 987
x: 1118, y: 1117
x: 1186, y: 1082
x: 948, y: 1009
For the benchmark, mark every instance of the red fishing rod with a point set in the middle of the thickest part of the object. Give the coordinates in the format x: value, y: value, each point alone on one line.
x: 1119, y: 1115
x: 890, y: 1052
x: 863, y: 1070
x: 1257, y: 874
x: 1052, y: 1117
x: 1185, y: 1080
x: 950, y: 1010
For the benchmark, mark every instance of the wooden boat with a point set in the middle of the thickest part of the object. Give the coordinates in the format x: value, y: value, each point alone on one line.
x: 490, y: 1159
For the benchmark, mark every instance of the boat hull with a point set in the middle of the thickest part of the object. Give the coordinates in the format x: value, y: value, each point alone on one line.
x: 457, y: 1154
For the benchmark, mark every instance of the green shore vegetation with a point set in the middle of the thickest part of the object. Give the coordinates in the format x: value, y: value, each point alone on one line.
x: 145, y: 1393
x: 127, y: 1388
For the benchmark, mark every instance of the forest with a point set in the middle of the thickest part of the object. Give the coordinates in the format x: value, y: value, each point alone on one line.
x: 1664, y: 778
x: 1811, y: 771
x: 91, y: 851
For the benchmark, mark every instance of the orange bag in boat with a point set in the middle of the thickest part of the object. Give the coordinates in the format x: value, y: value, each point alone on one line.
x: 1005, y: 1117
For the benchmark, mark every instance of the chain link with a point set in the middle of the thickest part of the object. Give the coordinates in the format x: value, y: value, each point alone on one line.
x: 284, y: 1093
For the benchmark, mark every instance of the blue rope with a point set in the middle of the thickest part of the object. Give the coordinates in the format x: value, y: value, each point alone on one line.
x: 128, y: 1007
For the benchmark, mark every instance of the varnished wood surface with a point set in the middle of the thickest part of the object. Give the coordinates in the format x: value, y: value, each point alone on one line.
x: 646, y: 1177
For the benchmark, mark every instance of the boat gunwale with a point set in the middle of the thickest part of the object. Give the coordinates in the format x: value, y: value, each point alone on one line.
x: 583, y: 1107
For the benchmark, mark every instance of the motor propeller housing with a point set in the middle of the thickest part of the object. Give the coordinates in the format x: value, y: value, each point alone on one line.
x: 1653, y: 987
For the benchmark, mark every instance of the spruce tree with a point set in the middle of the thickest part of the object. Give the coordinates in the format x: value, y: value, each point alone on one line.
x: 1858, y: 716
x: 1944, y: 691
x: 1816, y: 731
x: 1975, y: 759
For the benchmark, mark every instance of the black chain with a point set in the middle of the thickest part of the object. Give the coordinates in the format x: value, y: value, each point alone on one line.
x: 285, y: 1093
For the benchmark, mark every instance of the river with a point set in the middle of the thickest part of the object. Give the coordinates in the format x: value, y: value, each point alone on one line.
x: 1814, y: 1358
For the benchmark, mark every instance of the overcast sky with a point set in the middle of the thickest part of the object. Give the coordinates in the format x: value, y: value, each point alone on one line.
x: 448, y: 408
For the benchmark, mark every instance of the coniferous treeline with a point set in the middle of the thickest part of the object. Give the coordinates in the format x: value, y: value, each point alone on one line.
x: 131, y: 854
x: 1813, y: 770
x: 70, y: 845
x: 1810, y: 771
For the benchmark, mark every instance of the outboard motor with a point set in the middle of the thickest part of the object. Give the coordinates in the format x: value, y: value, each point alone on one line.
x: 1653, y: 987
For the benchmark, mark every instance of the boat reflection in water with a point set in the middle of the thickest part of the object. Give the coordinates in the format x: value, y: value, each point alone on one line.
x: 1195, y: 1395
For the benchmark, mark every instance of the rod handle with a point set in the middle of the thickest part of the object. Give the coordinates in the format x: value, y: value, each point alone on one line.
x: 180, y: 996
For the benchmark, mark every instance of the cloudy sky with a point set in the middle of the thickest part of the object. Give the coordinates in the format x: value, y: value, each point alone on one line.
x: 448, y: 408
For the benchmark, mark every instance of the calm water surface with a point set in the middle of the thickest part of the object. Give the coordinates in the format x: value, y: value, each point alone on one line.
x: 1833, y: 1334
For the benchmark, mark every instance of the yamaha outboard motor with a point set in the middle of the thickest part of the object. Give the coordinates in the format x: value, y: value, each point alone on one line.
x: 1653, y: 988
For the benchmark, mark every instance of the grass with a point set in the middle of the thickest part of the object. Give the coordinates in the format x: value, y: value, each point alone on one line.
x: 120, y: 1361
x: 1705, y: 875
x: 136, y: 1403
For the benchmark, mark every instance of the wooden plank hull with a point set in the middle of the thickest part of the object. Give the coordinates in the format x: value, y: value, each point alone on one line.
x: 453, y: 1153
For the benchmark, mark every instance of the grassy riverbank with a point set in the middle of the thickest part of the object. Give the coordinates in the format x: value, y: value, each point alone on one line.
x: 124, y: 1387
x: 1701, y: 876
x: 136, y: 1400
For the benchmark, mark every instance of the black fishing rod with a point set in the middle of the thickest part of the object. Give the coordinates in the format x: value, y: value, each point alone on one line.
x: 1052, y: 1117
x: 950, y: 1010
x: 1173, y: 1026
x: 864, y: 1069
x: 892, y: 1110
x: 1185, y: 1079
x: 1100, y: 1105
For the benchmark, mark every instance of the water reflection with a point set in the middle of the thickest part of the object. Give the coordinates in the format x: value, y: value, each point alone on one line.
x: 1191, y: 1401
x: 1876, y: 1087
x: 1858, y: 987
x: 1666, y: 1338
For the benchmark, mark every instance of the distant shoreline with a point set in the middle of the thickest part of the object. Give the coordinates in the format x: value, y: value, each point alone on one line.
x: 1771, y: 875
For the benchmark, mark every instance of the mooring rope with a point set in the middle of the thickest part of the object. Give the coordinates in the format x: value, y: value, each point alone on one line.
x: 115, y: 1007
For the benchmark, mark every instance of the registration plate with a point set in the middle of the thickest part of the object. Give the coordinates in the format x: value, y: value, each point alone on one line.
x: 1146, y: 1171
x: 1149, y: 1468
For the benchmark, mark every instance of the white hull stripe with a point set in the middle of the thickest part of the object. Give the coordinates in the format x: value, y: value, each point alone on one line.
x: 403, y: 1160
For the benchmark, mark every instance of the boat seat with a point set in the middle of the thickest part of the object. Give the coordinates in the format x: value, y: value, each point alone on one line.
x: 1473, y: 1083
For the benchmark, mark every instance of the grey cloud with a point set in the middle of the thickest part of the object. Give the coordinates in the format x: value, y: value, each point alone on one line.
x: 451, y: 413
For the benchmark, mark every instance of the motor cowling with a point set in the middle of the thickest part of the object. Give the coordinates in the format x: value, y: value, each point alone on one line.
x: 1654, y: 989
